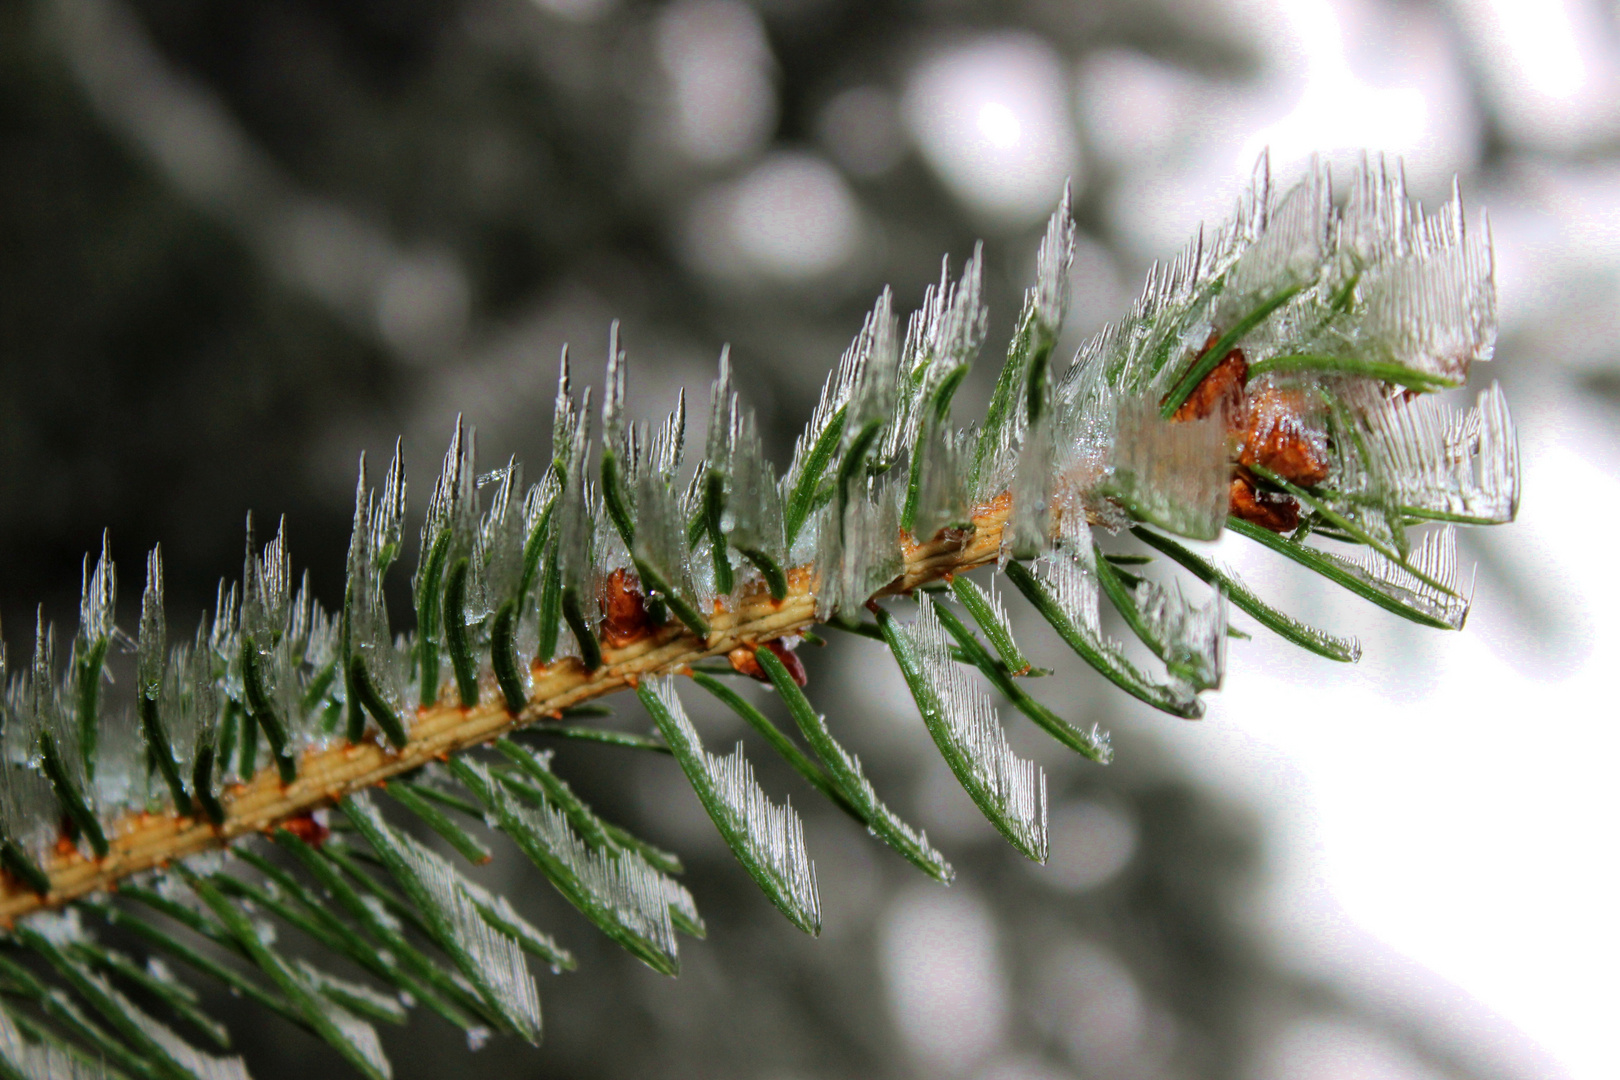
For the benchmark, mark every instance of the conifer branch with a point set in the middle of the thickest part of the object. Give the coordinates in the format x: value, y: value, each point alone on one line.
x: 146, y: 840
x: 1295, y: 421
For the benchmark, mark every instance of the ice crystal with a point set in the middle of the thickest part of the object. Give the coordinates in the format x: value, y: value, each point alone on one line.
x: 180, y: 1054
x: 1019, y: 396
x: 353, y: 997
x: 554, y: 790
x: 661, y: 548
x: 942, y: 339
x: 1431, y: 306
x: 988, y: 611
x: 500, y: 540
x: 1010, y: 790
x: 737, y: 487
x: 1428, y: 581
x: 1191, y: 640
x: 830, y: 411
x: 341, y: 999
x: 618, y: 891
x: 1065, y: 589
x: 755, y: 514
x: 1267, y: 381
x: 42, y: 1060
x: 1285, y: 256
x: 768, y: 839
x: 499, y: 913
x: 492, y: 960
x: 949, y: 329
x: 859, y: 551
x: 1435, y: 461
x: 501, y: 971
x: 850, y: 779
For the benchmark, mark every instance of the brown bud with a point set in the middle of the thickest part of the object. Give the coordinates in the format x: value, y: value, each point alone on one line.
x: 1275, y: 437
x: 307, y: 828
x: 744, y: 662
x: 1267, y: 509
x: 1219, y: 391
x: 625, y: 621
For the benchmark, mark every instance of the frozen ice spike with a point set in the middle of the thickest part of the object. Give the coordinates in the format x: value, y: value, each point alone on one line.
x: 618, y: 891
x: 1010, y: 791
x: 767, y: 839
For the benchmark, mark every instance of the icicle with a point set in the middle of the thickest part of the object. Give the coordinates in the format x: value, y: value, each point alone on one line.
x: 193, y: 1061
x: 709, y: 498
x: 1010, y: 791
x: 1034, y: 484
x: 1441, y: 463
x: 614, y: 433
x: 447, y: 538
x: 1345, y: 650
x: 1431, y: 306
x: 853, y: 388
x: 269, y: 686
x: 938, y: 498
x: 1049, y: 297
x: 857, y: 560
x: 502, y: 916
x: 373, y: 678
x: 54, y: 938
x: 157, y: 680
x: 1021, y: 389
x: 754, y: 505
x: 1286, y: 256
x: 1435, y: 559
x: 873, y: 396
x: 846, y: 772
x: 55, y: 739
x: 668, y: 447
x: 1063, y: 587
x: 987, y: 610
x: 491, y: 960
x: 42, y: 1060
x: 354, y: 1000
x: 552, y: 790
x: 577, y: 548
x: 564, y: 418
x: 1094, y: 744
x: 97, y: 599
x: 28, y: 808
x: 767, y: 839
x: 500, y: 541
x: 619, y: 892
x: 351, y: 1037
x: 661, y: 551
x: 1191, y: 640
x: 387, y: 523
x: 950, y: 326
x: 502, y: 974
x: 942, y: 339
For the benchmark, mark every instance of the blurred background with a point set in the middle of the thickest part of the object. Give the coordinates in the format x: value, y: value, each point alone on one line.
x: 241, y: 243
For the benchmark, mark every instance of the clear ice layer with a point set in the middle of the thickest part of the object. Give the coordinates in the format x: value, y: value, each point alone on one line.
x: 1173, y: 475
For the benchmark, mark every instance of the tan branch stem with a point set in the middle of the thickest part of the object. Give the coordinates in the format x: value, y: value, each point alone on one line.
x: 142, y: 841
